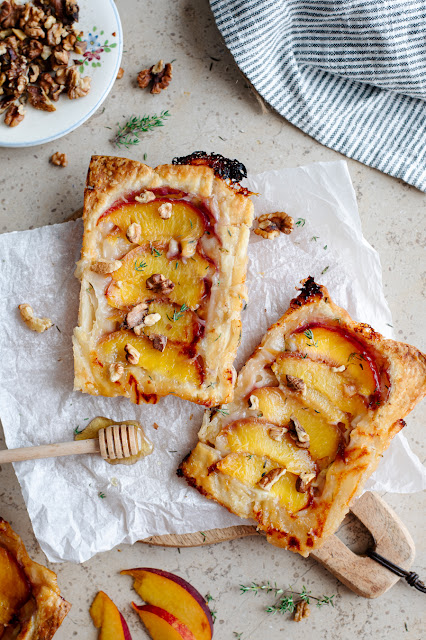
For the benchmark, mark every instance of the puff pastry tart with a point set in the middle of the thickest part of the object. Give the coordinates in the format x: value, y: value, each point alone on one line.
x: 314, y: 409
x: 162, y: 275
x: 31, y: 606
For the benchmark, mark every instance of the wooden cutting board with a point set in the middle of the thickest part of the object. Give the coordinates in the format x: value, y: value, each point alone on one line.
x: 359, y: 573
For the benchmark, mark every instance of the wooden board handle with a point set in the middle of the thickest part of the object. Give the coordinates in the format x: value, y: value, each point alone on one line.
x: 49, y: 450
x: 359, y: 573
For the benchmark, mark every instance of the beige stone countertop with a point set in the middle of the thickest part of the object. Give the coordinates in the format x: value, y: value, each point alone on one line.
x: 212, y: 108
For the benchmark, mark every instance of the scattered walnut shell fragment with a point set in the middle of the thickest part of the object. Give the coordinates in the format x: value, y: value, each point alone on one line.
x: 59, y: 159
x: 270, y: 225
x: 33, y: 323
x: 120, y: 73
x: 302, y: 611
x: 159, y: 76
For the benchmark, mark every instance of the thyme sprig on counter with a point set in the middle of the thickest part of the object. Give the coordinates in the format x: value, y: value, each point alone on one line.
x: 288, y: 599
x: 129, y: 133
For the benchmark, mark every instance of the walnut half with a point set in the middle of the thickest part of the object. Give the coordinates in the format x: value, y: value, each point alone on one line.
x: 272, y: 224
x: 270, y: 478
x: 302, y: 611
x: 33, y: 323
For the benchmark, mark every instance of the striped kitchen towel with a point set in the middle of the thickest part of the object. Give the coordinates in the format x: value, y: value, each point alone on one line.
x: 350, y: 73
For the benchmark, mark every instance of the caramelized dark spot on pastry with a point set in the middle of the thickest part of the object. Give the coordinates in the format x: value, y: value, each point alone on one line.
x: 225, y: 168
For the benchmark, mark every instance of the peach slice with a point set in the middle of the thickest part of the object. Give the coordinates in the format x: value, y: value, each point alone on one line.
x: 172, y: 362
x: 108, y: 619
x: 14, y: 588
x: 336, y: 347
x: 180, y: 325
x: 278, y: 408
x: 176, y: 596
x: 320, y: 377
x: 140, y: 264
x: 251, y: 435
x: 186, y: 220
x: 250, y: 468
x: 161, y: 624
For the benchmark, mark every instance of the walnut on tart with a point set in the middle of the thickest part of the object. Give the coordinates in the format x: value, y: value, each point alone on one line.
x: 31, y: 606
x: 314, y: 409
x: 162, y: 274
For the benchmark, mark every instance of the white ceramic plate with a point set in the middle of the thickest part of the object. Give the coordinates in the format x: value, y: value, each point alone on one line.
x: 100, y: 22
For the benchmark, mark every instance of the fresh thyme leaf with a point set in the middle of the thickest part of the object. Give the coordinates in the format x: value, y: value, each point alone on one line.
x: 101, y: 495
x: 129, y: 133
x: 315, y: 238
x: 155, y: 252
x: 229, y: 234
x: 325, y: 270
x: 389, y: 325
x: 217, y: 337
x: 176, y: 265
x: 238, y: 635
x: 325, y: 247
x: 204, y: 535
x: 141, y: 266
x: 178, y: 314
x: 145, y: 156
x: 77, y: 430
x: 287, y: 598
x: 300, y: 222
x: 208, y: 597
x: 308, y: 333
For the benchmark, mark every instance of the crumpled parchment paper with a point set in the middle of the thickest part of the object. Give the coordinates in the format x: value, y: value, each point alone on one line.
x: 80, y: 505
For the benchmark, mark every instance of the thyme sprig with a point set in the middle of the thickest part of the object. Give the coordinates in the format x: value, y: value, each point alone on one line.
x: 178, y: 314
x: 287, y: 598
x: 129, y: 133
x: 308, y: 333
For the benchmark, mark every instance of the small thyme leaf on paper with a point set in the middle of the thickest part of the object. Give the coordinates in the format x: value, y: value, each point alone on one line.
x: 288, y: 598
x: 128, y: 134
x: 315, y: 238
x: 101, y: 495
x: 325, y: 270
x: 300, y: 222
x: 77, y: 430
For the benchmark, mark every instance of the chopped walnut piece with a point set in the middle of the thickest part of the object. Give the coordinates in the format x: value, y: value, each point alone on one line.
x: 54, y: 34
x: 173, y: 248
x: 33, y: 72
x: 270, y: 478
x: 298, y: 433
x: 189, y: 247
x: 105, y: 266
x: 302, y: 611
x: 159, y: 74
x: 33, y: 323
x: 133, y: 233
x: 158, y: 342
x: 39, y: 100
x: 295, y: 384
x: 78, y: 87
x: 271, y: 224
x: 159, y: 284
x: 116, y: 370
x: 145, y: 196
x: 165, y: 210
x: 338, y: 369
x: 14, y: 115
x: 34, y: 31
x: 277, y: 433
x: 253, y: 403
x: 151, y: 319
x: 120, y: 73
x: 59, y: 159
x: 303, y: 481
x: 132, y: 354
x: 136, y: 315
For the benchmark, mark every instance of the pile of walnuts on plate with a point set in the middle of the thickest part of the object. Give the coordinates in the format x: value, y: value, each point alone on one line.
x: 37, y: 40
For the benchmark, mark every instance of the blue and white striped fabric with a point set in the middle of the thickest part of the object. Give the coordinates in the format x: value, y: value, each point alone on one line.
x: 350, y: 73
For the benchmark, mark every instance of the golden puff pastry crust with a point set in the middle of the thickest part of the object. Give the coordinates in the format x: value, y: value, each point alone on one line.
x: 31, y: 606
x: 188, y: 226
x: 314, y: 408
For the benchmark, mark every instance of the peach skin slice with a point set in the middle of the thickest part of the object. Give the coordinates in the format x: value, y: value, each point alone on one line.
x: 161, y: 624
x: 278, y: 408
x: 176, y: 596
x: 250, y: 468
x: 185, y: 222
x: 336, y: 348
x: 108, y: 619
x: 14, y: 588
x: 251, y: 435
x: 320, y: 377
x: 140, y: 264
x: 172, y: 362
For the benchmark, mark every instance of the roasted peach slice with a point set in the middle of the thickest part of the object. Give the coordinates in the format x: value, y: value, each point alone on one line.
x: 278, y: 408
x: 14, y: 588
x: 177, y: 322
x: 161, y: 624
x: 177, y: 597
x: 251, y: 435
x: 250, y: 468
x: 128, y: 282
x: 335, y: 385
x: 108, y: 619
x: 335, y: 347
x: 186, y: 220
x: 172, y: 362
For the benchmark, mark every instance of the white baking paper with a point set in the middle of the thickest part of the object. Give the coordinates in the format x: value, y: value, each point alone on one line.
x: 80, y: 505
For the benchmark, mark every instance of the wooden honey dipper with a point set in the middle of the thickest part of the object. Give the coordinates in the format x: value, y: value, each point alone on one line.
x: 114, y: 442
